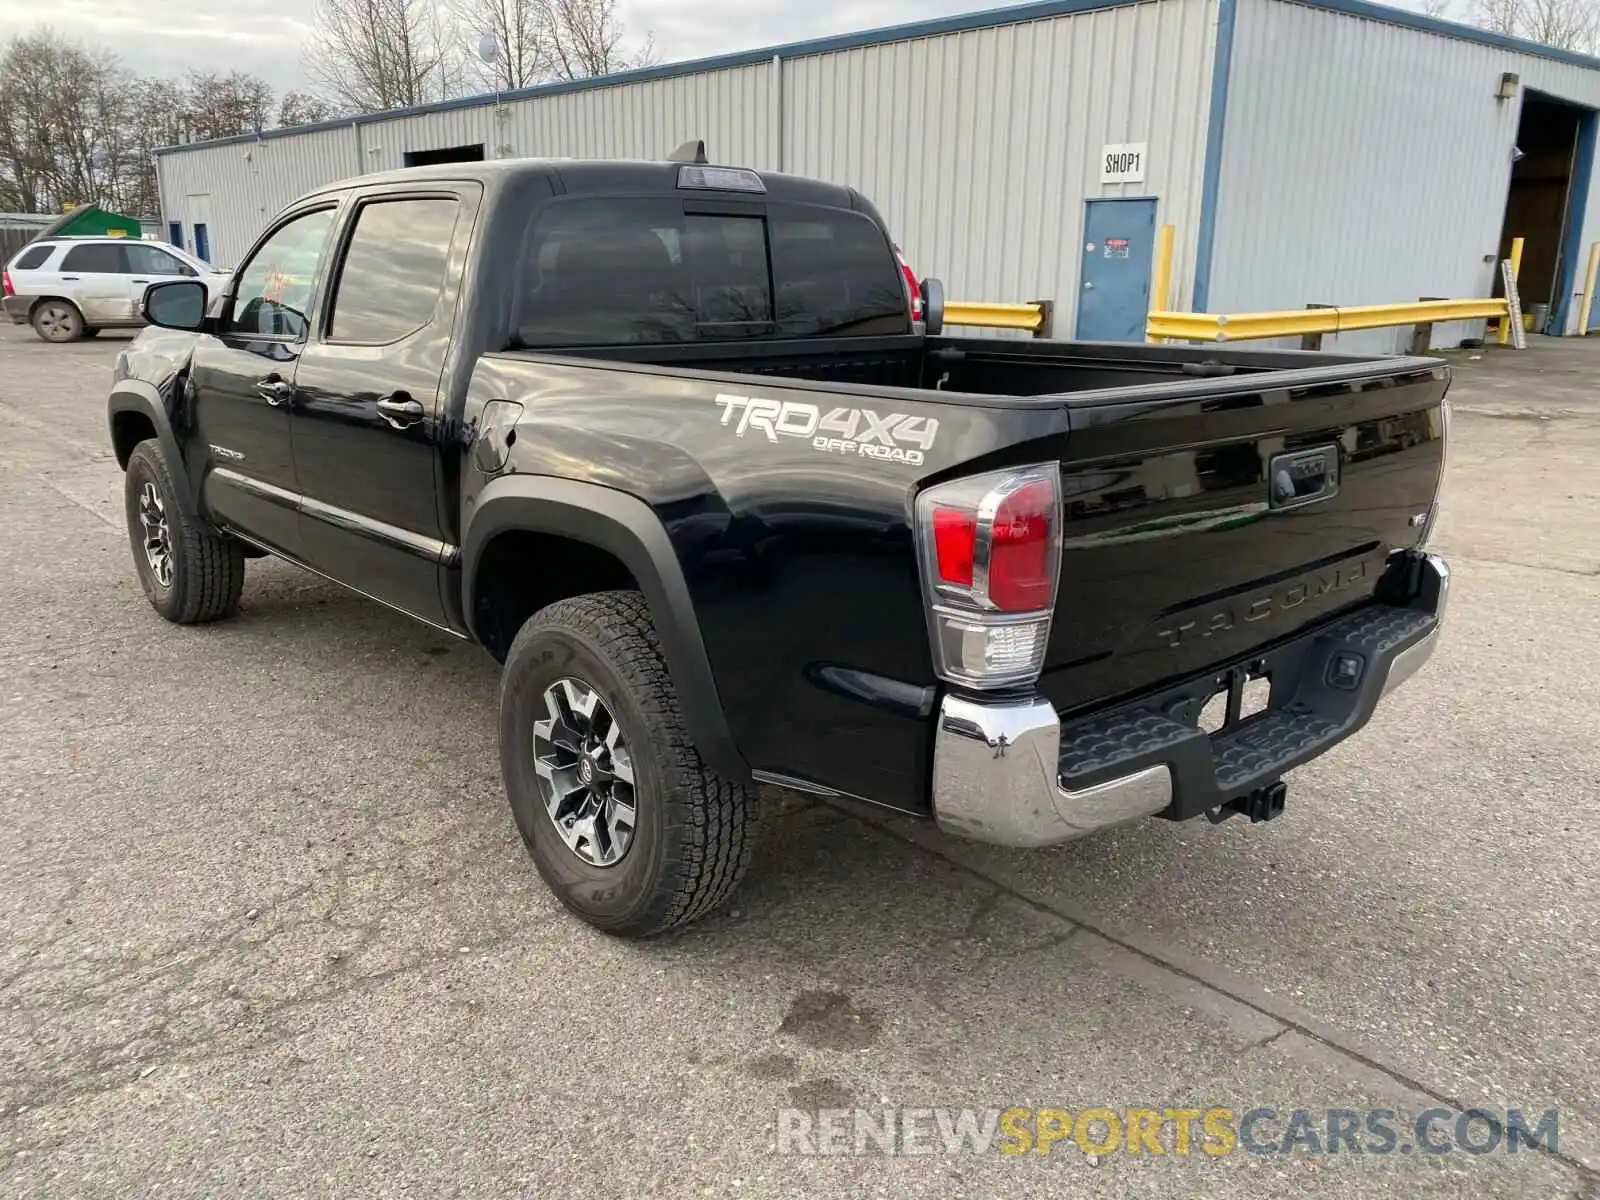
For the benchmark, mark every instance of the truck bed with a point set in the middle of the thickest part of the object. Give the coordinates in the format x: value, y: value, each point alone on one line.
x: 978, y: 366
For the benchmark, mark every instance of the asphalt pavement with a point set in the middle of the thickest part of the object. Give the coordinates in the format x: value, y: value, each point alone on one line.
x: 266, y: 928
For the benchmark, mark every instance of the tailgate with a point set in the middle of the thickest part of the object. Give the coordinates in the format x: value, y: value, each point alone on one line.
x: 1199, y: 530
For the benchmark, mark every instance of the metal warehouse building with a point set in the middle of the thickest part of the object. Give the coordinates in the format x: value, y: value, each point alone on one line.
x: 1319, y: 152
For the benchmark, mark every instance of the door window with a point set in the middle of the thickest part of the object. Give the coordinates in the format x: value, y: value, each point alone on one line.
x: 275, y: 287
x: 394, y: 270
x: 95, y: 258
x: 144, y: 259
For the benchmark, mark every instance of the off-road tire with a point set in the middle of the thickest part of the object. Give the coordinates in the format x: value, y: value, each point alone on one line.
x: 207, y: 566
x: 695, y: 830
x: 57, y: 321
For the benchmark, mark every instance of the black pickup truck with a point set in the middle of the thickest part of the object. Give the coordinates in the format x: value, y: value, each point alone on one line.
x: 673, y: 443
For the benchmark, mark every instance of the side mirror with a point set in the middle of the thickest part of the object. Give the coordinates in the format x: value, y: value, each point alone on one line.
x: 933, y: 306
x: 175, y: 304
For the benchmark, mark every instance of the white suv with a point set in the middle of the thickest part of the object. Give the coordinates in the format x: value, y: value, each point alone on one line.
x: 70, y: 288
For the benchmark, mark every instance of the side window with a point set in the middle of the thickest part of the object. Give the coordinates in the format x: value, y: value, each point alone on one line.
x: 95, y: 258
x: 144, y: 259
x: 32, y: 258
x: 393, y: 271
x: 276, y: 285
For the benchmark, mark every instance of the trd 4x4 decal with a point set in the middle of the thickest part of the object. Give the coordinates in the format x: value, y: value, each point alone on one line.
x: 858, y: 431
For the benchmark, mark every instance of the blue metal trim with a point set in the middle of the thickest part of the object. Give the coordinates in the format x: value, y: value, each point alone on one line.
x: 1577, y: 204
x: 1211, y: 177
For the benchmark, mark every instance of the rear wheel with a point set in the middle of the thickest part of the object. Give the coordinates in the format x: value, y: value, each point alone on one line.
x: 57, y: 321
x: 190, y: 572
x: 629, y: 828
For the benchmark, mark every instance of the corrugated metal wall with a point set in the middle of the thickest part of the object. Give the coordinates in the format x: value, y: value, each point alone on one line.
x: 248, y: 182
x: 1365, y: 163
x: 980, y: 146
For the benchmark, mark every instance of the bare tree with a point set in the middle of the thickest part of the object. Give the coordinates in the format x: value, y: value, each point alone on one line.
x: 523, y: 45
x: 62, y: 129
x: 371, y: 55
x: 1569, y: 24
x: 1565, y: 24
x: 588, y: 40
x: 218, y: 106
x: 540, y: 41
x: 303, y: 108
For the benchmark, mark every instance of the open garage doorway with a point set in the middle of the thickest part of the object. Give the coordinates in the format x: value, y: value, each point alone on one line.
x: 1545, y: 204
x: 450, y: 154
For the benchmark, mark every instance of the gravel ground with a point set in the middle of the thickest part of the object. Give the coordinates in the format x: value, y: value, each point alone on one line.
x: 266, y: 928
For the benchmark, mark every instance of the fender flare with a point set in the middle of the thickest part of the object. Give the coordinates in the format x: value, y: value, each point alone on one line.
x: 136, y: 396
x: 628, y: 529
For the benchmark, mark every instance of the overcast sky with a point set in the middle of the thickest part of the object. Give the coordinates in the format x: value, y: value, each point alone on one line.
x: 169, y: 37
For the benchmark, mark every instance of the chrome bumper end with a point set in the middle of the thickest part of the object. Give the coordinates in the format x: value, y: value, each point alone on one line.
x: 1436, y: 589
x: 996, y: 779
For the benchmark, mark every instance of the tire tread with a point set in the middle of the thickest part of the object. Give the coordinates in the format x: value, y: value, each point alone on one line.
x: 210, y: 576
x: 710, y: 825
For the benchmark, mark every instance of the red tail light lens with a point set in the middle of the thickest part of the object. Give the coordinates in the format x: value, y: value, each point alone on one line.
x: 5, y: 284
x: 1021, y: 571
x: 913, y: 288
x: 955, y: 536
x: 991, y: 559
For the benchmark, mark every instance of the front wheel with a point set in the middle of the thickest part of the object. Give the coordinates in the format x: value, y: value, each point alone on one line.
x: 190, y: 572
x: 629, y: 828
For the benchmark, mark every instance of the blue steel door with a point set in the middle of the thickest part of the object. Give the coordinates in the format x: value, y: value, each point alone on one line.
x: 1114, y: 285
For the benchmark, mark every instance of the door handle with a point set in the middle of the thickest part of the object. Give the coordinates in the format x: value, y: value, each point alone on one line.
x: 274, y: 391
x: 70, y: 278
x: 141, y: 281
x: 400, y: 410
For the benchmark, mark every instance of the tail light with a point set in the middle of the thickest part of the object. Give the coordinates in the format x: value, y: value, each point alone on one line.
x: 5, y: 284
x: 913, y: 288
x: 990, y: 551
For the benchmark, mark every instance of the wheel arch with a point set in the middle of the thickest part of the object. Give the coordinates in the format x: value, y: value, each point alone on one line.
x: 45, y: 299
x: 628, y: 530
x: 134, y: 413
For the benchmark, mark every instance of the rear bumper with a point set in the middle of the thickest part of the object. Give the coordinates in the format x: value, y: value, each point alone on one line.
x: 17, y: 308
x: 1009, y: 772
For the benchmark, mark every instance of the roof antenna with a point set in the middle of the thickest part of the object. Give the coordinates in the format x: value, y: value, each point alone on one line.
x: 690, y: 152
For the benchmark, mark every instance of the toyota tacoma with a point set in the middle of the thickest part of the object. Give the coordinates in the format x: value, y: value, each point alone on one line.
x: 677, y: 444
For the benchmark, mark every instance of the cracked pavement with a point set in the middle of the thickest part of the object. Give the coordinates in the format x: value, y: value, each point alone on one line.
x: 266, y: 928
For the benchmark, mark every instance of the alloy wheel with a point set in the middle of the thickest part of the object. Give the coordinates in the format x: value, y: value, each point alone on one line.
x: 157, y: 537
x: 585, y: 773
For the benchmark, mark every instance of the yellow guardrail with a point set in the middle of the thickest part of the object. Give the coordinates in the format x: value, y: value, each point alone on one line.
x: 1034, y: 318
x: 1237, y: 327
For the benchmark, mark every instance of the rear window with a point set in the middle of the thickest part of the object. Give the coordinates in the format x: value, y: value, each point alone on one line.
x: 32, y: 258
x: 621, y: 272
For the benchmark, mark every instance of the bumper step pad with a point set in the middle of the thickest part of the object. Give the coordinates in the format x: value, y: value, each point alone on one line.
x: 1306, y: 715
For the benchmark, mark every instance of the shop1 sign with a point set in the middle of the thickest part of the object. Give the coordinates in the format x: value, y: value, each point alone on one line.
x: 1122, y: 163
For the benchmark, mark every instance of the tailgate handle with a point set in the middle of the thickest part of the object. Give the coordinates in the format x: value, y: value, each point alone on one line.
x: 1303, y: 477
